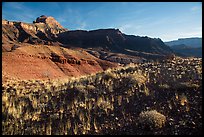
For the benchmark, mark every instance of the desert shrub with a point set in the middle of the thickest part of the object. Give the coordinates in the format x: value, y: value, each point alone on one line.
x: 183, y: 99
x: 151, y: 119
x: 183, y: 85
x: 109, y: 75
x: 164, y: 86
x: 81, y: 88
x: 90, y: 87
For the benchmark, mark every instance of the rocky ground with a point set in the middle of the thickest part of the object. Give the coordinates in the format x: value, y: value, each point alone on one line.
x: 158, y: 98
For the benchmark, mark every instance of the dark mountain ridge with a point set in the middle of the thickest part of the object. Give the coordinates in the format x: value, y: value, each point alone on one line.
x: 46, y: 30
x: 113, y: 40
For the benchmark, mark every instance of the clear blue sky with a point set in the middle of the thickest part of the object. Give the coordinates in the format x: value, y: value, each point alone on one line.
x: 165, y: 20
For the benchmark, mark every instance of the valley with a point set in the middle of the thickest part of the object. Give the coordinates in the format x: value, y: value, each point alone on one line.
x: 57, y: 81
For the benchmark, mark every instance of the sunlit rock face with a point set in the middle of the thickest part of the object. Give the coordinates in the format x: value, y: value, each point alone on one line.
x: 54, y: 26
x: 43, y: 30
x: 30, y: 27
x: 4, y: 22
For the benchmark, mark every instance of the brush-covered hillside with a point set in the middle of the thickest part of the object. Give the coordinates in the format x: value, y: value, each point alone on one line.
x: 145, y: 99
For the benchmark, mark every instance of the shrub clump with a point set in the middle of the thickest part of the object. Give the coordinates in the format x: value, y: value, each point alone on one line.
x: 151, y: 119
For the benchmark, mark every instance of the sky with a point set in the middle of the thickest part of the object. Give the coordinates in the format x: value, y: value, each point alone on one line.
x: 165, y: 20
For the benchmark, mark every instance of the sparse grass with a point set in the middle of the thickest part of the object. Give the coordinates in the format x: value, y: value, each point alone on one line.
x: 91, y: 104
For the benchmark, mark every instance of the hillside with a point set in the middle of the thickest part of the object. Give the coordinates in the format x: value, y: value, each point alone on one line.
x: 187, y: 47
x: 30, y: 51
x: 39, y: 62
x: 187, y: 51
x: 160, y: 98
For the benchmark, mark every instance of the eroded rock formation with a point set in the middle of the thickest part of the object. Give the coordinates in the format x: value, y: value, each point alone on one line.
x: 43, y: 31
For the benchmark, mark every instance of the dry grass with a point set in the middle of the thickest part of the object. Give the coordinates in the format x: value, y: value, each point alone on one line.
x: 92, y: 104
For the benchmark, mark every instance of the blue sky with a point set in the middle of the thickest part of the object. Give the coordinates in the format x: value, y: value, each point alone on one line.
x: 165, y: 20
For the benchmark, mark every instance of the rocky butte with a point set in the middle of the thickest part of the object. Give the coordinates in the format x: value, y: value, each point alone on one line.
x: 44, y: 30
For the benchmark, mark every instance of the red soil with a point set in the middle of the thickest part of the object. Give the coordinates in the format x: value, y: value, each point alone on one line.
x: 34, y: 62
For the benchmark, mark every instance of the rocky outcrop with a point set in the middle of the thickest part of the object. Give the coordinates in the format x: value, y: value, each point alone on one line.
x: 71, y: 60
x: 51, y: 23
x: 4, y: 22
x: 48, y: 25
x: 29, y: 27
x: 57, y: 58
x: 43, y: 31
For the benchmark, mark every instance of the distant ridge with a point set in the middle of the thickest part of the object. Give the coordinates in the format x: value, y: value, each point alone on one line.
x: 187, y: 46
x: 191, y: 42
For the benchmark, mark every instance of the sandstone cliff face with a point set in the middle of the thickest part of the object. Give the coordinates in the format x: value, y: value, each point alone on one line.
x: 51, y: 23
x: 42, y: 31
x: 29, y: 27
x: 4, y: 22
